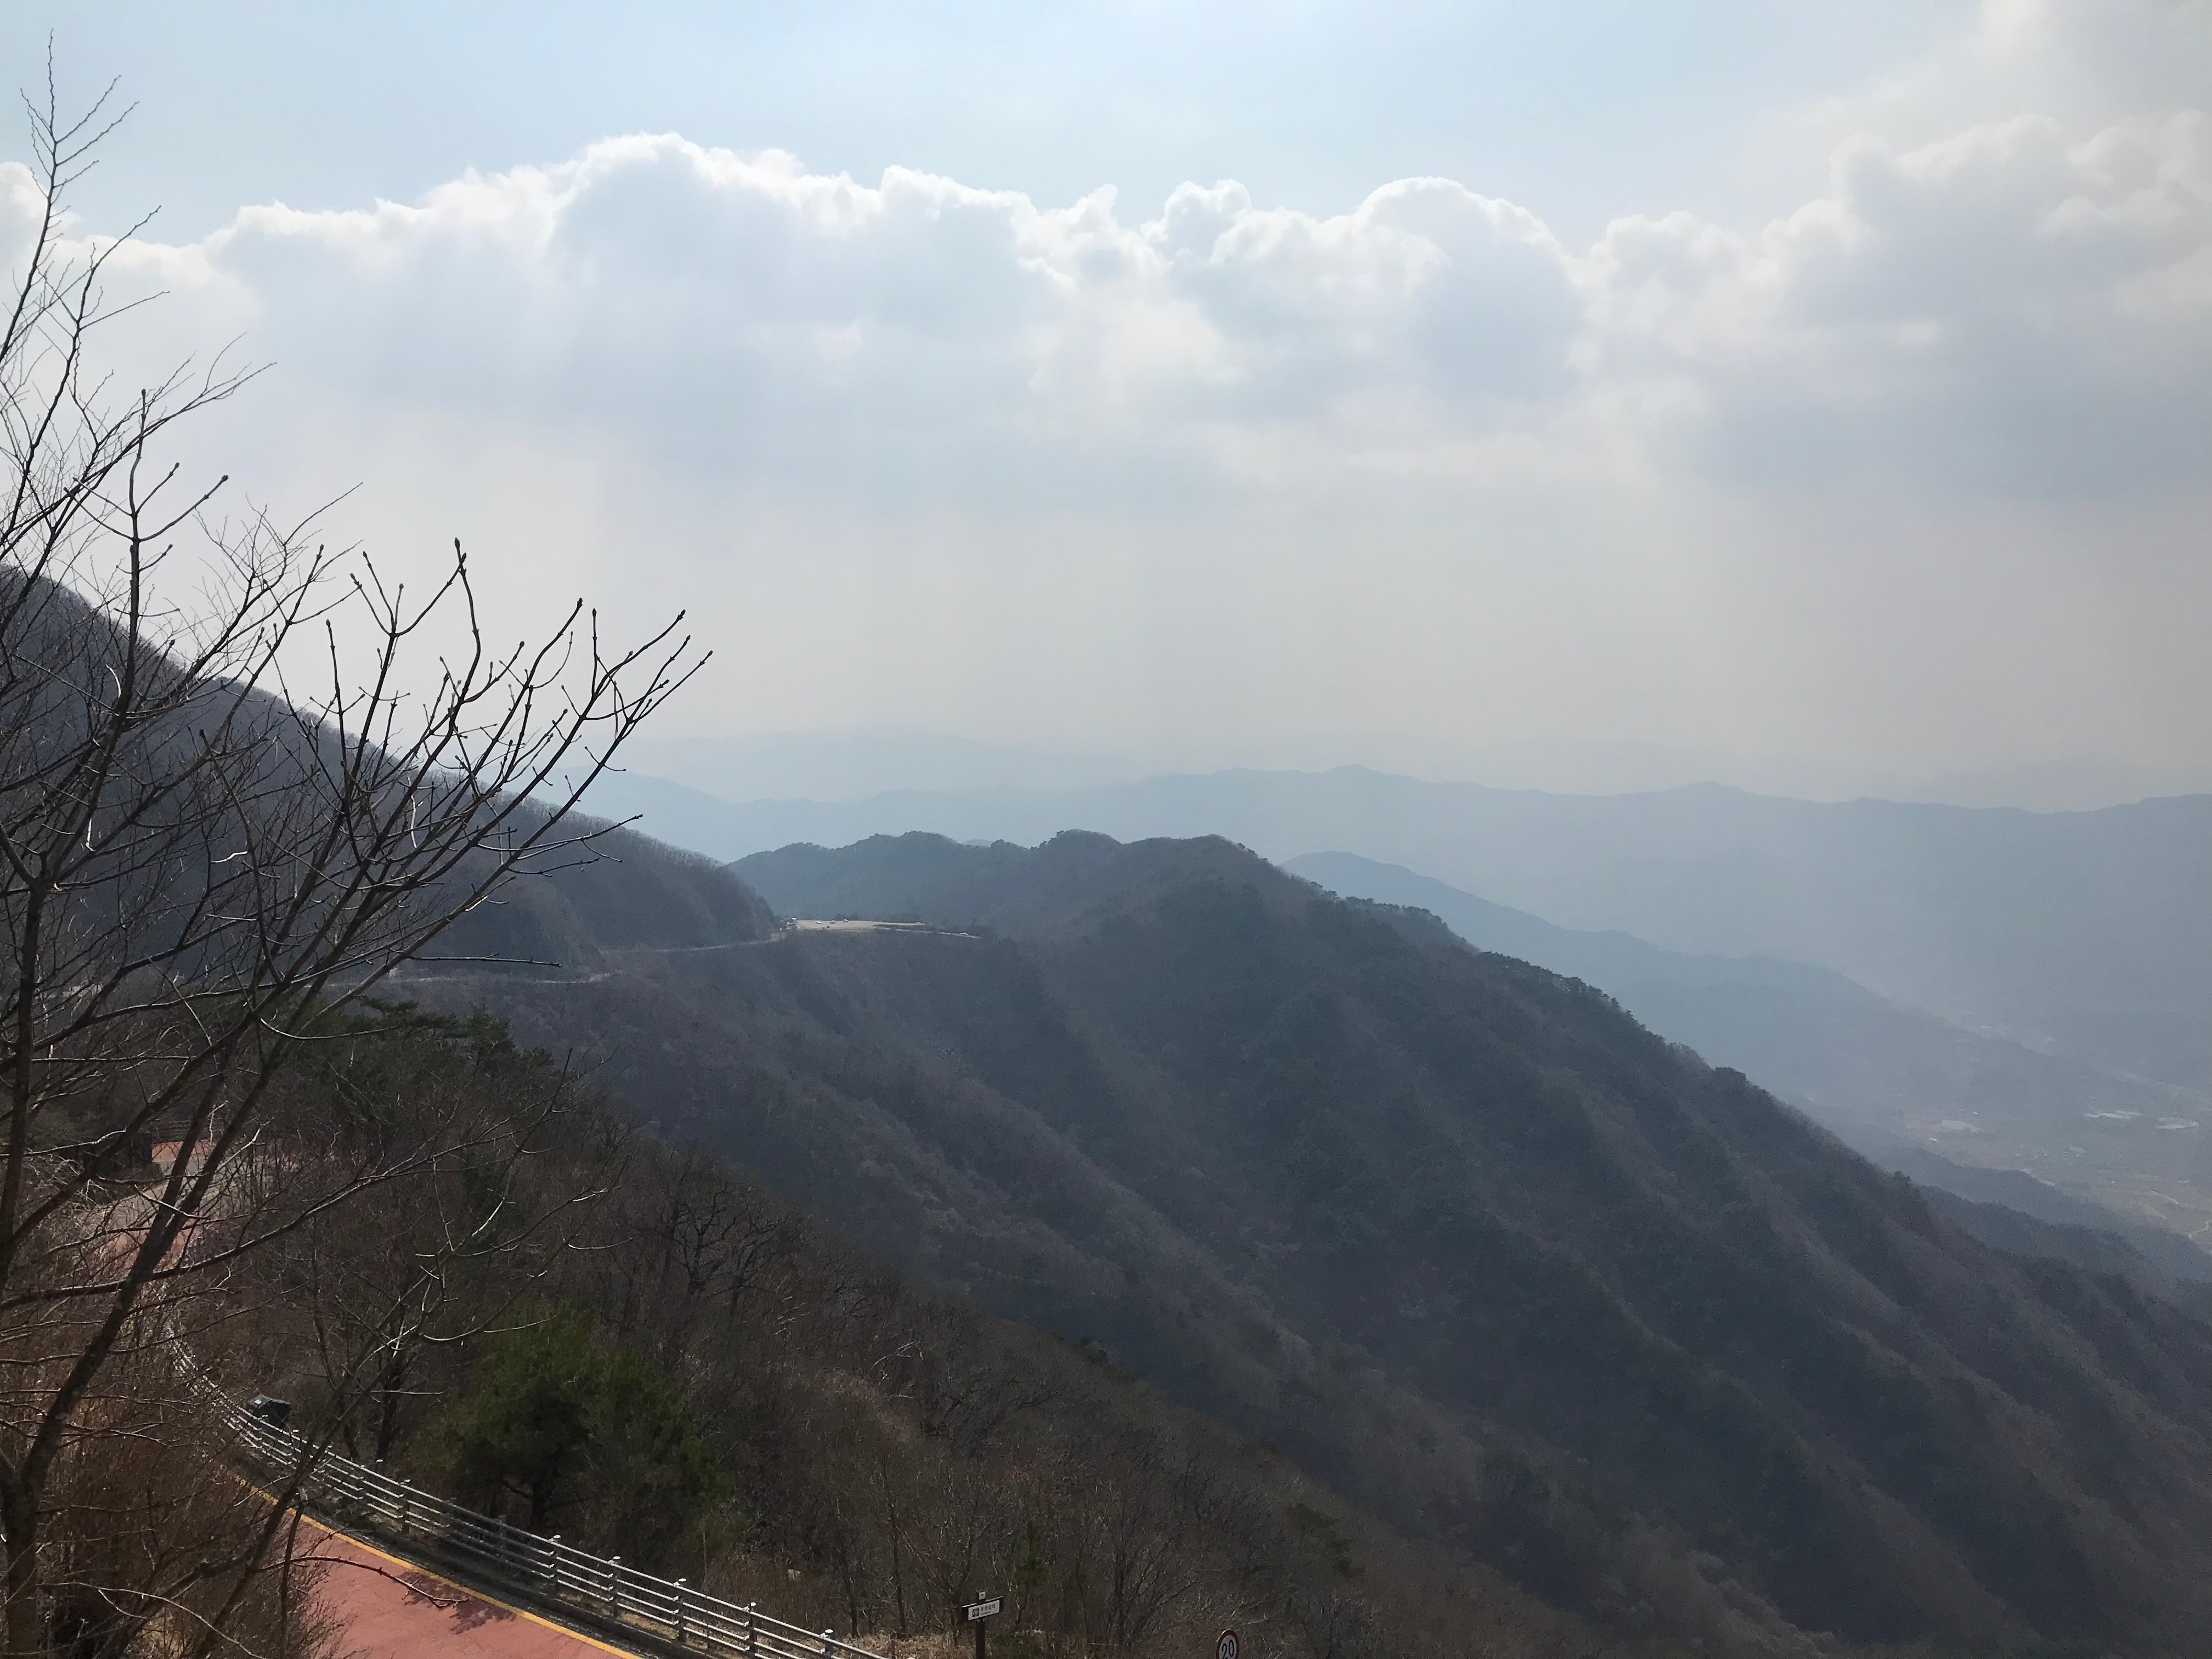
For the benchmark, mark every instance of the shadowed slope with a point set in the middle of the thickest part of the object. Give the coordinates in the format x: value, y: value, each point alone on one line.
x: 1456, y: 1232
x: 1889, y: 1078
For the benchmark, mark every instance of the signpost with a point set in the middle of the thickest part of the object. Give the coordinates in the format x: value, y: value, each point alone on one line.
x: 983, y: 1606
x: 1226, y: 1647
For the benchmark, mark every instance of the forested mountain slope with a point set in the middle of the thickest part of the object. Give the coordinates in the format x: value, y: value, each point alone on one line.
x: 625, y: 1344
x: 1456, y: 1233
x: 2087, y: 932
x: 595, y: 887
x: 1884, y: 1076
x: 622, y: 892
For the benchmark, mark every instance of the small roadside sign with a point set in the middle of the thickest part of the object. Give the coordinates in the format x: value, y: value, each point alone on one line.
x: 1226, y: 1647
x: 978, y: 1610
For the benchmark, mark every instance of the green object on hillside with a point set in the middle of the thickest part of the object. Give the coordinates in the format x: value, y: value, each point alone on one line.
x: 554, y: 1419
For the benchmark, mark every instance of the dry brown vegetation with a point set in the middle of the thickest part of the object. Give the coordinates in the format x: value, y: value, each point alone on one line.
x: 876, y: 1454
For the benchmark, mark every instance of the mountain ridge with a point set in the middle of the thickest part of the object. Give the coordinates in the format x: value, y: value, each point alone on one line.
x: 2088, y: 933
x: 1456, y: 1233
x: 1879, y: 1073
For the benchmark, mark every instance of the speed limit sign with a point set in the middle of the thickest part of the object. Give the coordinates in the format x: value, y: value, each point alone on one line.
x: 1226, y: 1647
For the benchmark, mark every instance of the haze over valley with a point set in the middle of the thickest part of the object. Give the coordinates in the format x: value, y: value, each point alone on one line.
x: 1288, y: 831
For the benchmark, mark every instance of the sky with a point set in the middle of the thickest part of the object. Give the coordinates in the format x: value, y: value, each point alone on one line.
x: 1231, y: 384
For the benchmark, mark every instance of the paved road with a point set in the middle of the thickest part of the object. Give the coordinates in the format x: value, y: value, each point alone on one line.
x: 388, y: 1608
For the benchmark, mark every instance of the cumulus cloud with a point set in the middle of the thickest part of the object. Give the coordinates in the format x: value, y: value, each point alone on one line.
x: 1217, y: 465
x: 2010, y: 308
x: 2017, y: 306
x: 746, y: 310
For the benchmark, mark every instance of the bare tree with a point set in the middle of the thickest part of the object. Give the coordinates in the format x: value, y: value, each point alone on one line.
x: 203, y: 861
x: 707, y: 1244
x: 466, y: 1168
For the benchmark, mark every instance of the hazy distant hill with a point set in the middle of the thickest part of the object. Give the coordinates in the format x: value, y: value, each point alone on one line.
x: 2087, y: 932
x: 854, y: 765
x: 1454, y: 1231
x: 850, y: 766
x: 1879, y: 1073
x: 2018, y: 1213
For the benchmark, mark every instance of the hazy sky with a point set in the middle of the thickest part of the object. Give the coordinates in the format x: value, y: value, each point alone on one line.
x: 1237, y: 382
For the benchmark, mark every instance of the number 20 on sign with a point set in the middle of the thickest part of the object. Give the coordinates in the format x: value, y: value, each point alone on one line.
x: 1226, y: 1647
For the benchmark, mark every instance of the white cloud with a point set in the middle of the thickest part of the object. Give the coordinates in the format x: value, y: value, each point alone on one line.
x: 2014, y: 306
x: 2011, y: 308
x: 745, y: 312
x: 930, y: 453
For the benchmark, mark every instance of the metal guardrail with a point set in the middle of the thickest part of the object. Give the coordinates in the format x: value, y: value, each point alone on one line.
x: 600, y: 1587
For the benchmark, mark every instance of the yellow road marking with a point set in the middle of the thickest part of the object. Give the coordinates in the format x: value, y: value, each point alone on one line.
x: 475, y: 1594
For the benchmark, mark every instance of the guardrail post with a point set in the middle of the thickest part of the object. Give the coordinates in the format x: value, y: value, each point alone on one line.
x: 495, y: 1539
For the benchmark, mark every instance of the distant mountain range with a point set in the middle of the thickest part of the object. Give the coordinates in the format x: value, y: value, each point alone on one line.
x: 1452, y: 1230
x: 2082, y: 933
x: 853, y: 765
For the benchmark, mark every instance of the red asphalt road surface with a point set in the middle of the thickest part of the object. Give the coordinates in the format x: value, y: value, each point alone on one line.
x: 387, y: 1608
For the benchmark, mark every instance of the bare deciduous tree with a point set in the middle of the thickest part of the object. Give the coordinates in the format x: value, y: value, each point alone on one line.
x: 466, y: 1167
x: 203, y: 861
